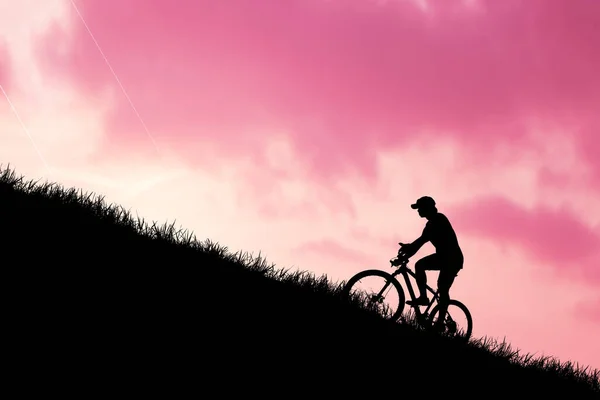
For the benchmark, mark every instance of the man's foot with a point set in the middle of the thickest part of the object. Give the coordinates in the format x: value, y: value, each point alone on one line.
x: 419, y: 301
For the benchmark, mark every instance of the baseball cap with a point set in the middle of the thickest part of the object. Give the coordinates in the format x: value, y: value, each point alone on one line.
x: 422, y: 202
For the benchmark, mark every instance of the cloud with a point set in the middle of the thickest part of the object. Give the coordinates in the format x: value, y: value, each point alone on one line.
x: 554, y: 237
x: 330, y: 249
x: 321, y: 122
x: 588, y: 309
x: 5, y: 67
x: 344, y: 79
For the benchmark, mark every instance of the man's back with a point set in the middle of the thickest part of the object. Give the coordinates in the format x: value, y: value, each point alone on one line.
x: 440, y: 233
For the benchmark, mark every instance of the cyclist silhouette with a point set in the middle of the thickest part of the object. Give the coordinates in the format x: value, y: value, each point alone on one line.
x: 448, y: 258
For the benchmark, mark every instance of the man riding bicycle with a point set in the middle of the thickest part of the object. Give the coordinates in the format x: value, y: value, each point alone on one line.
x: 448, y: 258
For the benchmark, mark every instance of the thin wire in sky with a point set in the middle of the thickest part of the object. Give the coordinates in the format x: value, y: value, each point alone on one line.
x: 115, y: 76
x: 24, y: 127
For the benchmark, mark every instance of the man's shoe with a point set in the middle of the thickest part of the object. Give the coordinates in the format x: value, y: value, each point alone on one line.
x: 419, y: 301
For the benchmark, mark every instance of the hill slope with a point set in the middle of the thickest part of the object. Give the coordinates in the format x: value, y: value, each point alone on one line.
x: 100, y: 302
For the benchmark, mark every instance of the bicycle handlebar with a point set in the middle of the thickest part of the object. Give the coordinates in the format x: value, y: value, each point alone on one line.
x: 398, y: 260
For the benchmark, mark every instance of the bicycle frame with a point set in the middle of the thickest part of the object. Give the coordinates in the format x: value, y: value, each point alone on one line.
x: 405, y: 272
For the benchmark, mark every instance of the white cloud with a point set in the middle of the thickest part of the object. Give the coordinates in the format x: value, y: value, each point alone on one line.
x: 21, y: 22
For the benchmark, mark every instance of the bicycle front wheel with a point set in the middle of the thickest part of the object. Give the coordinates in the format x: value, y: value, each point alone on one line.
x: 379, y: 291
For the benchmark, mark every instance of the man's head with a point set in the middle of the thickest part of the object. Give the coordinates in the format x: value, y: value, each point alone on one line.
x: 425, y: 205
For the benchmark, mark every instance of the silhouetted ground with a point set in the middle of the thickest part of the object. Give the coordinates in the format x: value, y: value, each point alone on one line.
x: 98, y: 302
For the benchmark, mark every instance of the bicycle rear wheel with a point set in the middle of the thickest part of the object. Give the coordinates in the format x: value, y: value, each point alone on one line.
x: 458, y: 321
x: 373, y: 287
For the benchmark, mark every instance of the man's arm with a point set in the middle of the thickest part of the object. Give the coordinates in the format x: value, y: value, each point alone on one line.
x: 410, y: 249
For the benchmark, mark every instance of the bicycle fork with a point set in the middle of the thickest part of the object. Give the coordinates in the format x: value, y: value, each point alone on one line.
x: 379, y: 296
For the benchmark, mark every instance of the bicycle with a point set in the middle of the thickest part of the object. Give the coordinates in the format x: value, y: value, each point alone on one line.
x: 425, y: 319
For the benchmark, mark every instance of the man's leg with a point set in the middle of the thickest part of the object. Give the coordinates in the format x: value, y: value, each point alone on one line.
x: 445, y: 281
x: 427, y: 263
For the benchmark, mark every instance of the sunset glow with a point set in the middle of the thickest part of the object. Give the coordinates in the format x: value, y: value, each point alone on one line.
x: 304, y: 129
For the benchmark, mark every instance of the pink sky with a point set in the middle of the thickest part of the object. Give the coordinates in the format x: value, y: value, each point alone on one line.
x: 305, y: 128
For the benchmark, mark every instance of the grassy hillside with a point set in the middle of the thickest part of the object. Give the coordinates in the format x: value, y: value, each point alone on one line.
x: 100, y: 302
